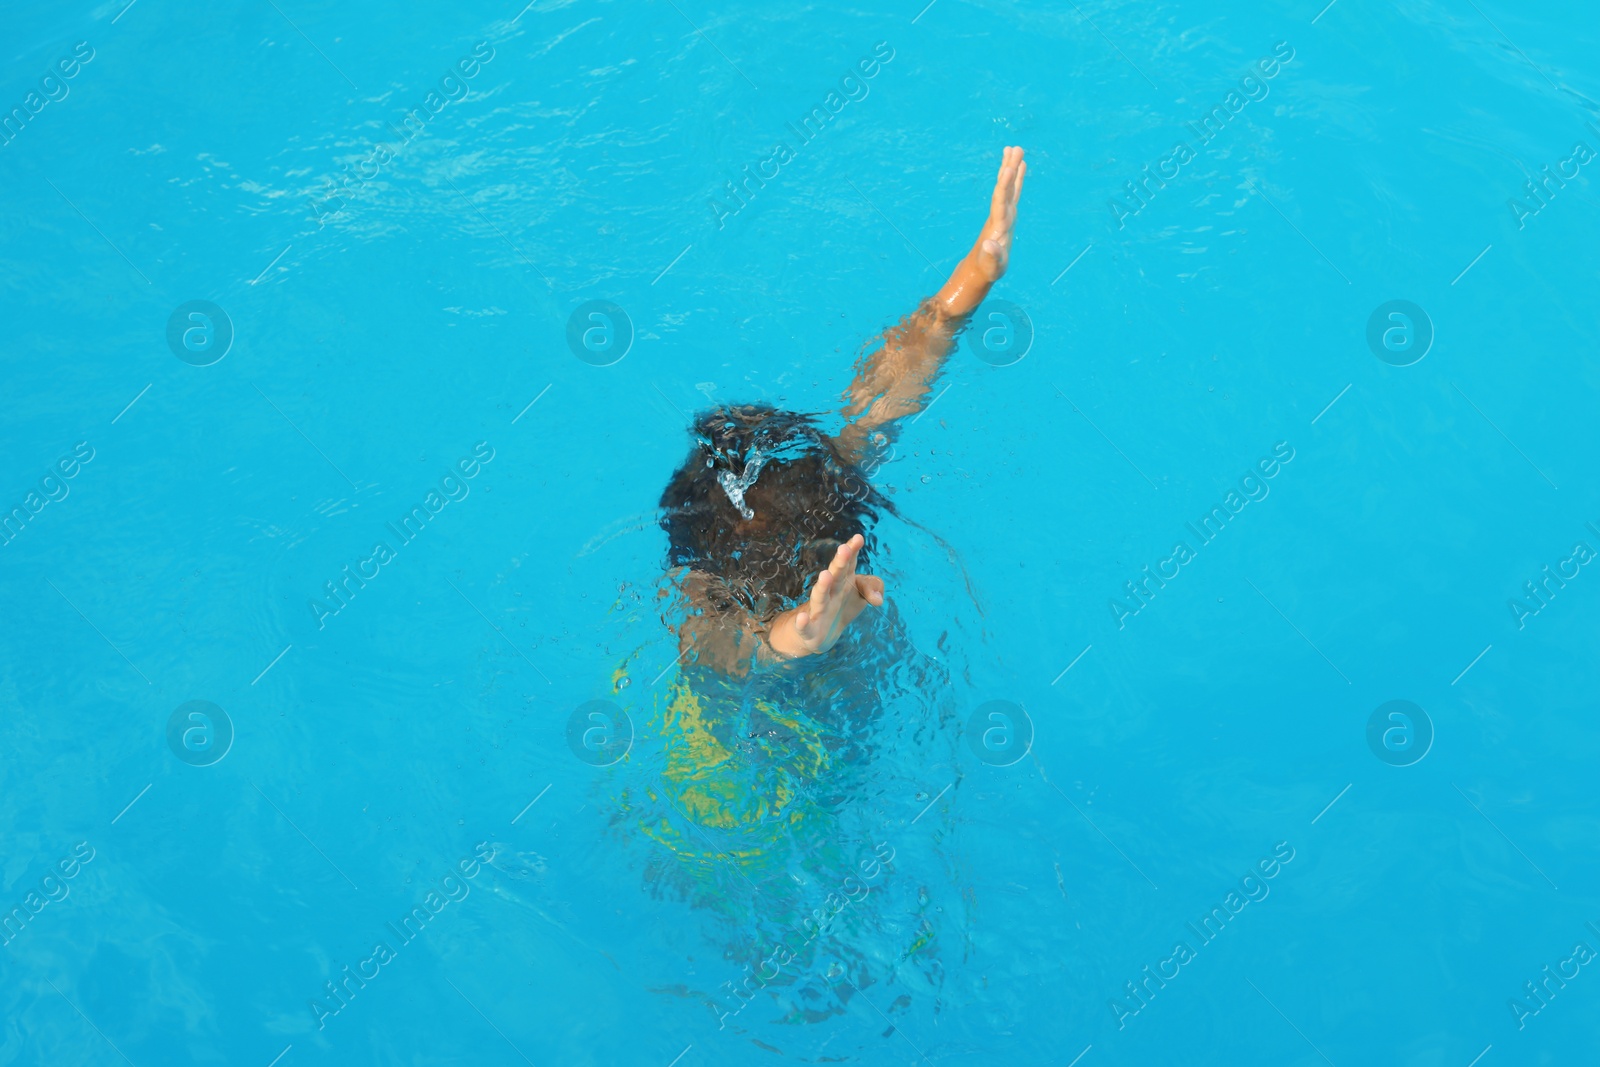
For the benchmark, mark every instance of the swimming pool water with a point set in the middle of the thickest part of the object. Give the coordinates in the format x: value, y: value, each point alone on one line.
x: 349, y: 349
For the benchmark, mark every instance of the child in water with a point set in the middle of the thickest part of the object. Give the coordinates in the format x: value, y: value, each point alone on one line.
x: 767, y: 499
x: 757, y: 781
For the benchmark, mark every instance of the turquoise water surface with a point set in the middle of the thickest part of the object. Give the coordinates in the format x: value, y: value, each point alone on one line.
x: 1235, y: 698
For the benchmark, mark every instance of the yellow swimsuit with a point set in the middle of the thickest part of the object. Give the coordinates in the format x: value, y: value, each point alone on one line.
x: 745, y: 800
x: 749, y: 786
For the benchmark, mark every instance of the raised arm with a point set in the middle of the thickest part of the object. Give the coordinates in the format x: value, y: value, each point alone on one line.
x: 893, y: 380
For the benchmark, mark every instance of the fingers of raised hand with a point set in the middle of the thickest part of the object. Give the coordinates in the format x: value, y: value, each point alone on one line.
x: 1002, y: 186
x: 1008, y: 187
x: 844, y: 558
x: 820, y: 591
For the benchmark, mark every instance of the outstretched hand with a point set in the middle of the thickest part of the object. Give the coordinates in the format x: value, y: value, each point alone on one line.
x: 838, y: 595
x: 994, y: 243
x: 986, y: 263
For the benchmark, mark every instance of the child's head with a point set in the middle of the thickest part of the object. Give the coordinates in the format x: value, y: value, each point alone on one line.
x: 763, y: 501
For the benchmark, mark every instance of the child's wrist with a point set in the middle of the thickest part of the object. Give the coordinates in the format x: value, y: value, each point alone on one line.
x: 783, y: 641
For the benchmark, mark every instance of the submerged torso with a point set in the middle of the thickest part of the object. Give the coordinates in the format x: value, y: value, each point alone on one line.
x: 762, y: 798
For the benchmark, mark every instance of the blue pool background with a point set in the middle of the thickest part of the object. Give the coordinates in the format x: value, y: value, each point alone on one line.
x: 375, y: 349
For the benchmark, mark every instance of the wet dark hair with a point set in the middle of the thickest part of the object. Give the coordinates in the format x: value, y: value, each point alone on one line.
x: 805, y: 500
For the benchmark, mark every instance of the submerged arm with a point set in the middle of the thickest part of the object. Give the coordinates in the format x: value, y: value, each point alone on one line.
x: 894, y: 380
x: 723, y: 635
